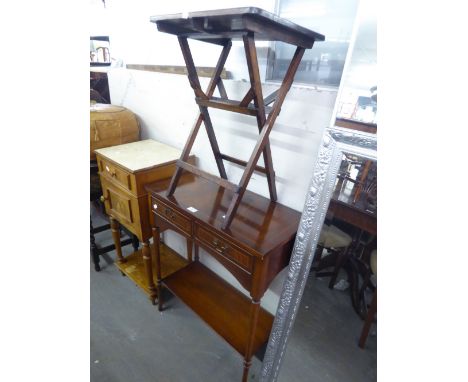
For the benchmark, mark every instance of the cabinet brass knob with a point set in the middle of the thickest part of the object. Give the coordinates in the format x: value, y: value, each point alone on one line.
x: 102, y: 198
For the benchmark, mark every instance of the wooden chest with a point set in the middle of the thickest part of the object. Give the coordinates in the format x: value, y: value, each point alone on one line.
x: 111, y: 125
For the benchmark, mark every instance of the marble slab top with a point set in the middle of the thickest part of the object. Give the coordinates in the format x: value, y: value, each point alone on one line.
x: 141, y: 155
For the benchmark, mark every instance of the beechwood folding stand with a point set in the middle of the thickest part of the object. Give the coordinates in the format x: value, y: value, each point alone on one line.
x: 221, y: 27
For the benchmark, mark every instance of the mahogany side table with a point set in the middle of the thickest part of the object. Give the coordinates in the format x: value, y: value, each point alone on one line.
x: 255, y: 248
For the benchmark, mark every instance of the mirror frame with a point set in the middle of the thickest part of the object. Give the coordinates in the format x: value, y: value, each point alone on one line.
x: 313, y: 215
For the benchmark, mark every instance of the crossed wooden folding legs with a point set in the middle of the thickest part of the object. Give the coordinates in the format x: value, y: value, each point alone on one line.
x: 258, y: 109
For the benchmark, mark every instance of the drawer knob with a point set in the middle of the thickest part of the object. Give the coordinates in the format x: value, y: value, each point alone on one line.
x: 219, y: 247
x: 170, y: 214
x: 109, y: 170
x: 103, y: 198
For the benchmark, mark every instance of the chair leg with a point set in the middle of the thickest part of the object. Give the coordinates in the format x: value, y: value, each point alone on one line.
x: 340, y: 260
x: 317, y: 258
x: 367, y: 324
x: 366, y: 283
x: 94, y: 248
x: 326, y: 262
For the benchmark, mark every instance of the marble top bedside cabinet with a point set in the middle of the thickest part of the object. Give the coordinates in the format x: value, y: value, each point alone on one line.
x: 124, y: 171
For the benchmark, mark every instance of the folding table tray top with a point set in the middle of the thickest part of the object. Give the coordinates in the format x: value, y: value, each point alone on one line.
x: 216, y: 26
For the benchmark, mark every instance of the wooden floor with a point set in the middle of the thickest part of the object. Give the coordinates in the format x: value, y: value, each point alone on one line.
x: 132, y: 341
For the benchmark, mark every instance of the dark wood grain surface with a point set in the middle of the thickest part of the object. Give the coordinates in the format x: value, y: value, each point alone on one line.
x: 223, y: 307
x: 354, y: 215
x: 259, y: 226
x: 217, y: 26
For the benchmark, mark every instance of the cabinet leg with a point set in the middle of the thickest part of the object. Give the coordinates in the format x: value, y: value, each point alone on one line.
x: 254, y: 310
x: 149, y: 271
x: 116, y: 236
x: 94, y: 248
x: 135, y: 243
x: 157, y: 256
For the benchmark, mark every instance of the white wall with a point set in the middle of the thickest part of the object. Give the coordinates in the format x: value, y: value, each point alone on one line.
x: 164, y: 104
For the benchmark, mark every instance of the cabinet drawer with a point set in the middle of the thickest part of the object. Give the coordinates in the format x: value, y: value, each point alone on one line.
x: 115, y: 174
x: 224, y: 248
x: 171, y: 216
x: 121, y: 206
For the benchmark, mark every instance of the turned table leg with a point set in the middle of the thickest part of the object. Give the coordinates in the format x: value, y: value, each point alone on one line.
x: 197, y: 256
x: 189, y: 249
x: 116, y: 236
x: 149, y: 270
x: 254, y: 310
x: 157, y: 256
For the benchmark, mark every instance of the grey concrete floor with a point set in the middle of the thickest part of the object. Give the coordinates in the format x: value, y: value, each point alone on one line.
x: 132, y: 342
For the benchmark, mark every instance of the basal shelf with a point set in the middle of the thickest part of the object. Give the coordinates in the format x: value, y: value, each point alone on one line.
x: 221, y: 306
x: 134, y: 267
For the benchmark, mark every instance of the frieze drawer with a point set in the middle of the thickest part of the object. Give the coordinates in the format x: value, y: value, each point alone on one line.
x: 224, y: 248
x: 171, y: 216
x: 115, y: 174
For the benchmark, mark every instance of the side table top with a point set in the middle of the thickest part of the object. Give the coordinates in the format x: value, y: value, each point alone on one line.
x: 141, y: 155
x: 217, y: 26
x: 259, y: 223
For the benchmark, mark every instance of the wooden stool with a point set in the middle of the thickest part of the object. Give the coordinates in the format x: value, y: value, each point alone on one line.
x: 337, y: 241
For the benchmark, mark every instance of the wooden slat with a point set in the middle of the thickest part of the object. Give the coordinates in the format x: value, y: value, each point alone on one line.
x: 255, y: 81
x: 222, y: 89
x: 241, y: 162
x: 271, y: 98
x: 202, y: 71
x: 229, y: 105
x: 219, y: 68
x: 195, y: 83
x: 191, y: 71
x: 193, y: 133
x: 220, y: 181
x: 247, y: 98
x: 263, y: 138
x: 213, y: 142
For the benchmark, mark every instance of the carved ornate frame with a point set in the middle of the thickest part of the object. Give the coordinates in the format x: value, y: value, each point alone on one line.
x: 355, y: 142
x: 313, y: 215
